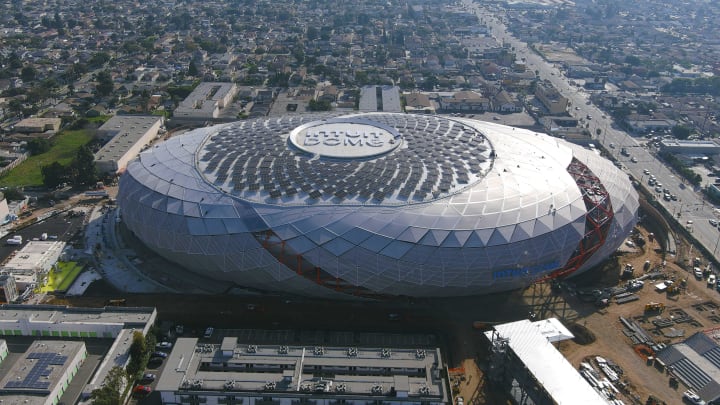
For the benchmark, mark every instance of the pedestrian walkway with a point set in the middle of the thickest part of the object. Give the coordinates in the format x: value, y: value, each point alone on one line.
x: 111, y: 261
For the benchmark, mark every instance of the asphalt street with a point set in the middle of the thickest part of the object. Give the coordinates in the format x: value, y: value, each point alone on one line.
x: 690, y: 203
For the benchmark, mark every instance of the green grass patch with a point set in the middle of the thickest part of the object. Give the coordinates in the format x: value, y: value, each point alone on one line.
x: 164, y: 113
x: 100, y: 119
x: 66, y: 145
x: 62, y: 278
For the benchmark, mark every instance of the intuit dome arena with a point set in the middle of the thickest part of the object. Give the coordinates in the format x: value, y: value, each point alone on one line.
x: 376, y: 205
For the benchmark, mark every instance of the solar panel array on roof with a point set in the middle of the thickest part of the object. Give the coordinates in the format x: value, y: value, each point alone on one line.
x: 41, y: 368
x: 438, y: 157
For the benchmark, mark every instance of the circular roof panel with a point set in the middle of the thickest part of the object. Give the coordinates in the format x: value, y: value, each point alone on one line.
x: 345, y: 138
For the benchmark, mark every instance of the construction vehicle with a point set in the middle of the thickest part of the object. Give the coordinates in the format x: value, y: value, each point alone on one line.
x: 627, y: 272
x: 654, y: 307
x: 673, y: 289
x: 116, y: 303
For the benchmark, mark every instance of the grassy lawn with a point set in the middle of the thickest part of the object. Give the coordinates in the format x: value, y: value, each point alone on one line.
x: 61, y: 279
x: 64, y: 150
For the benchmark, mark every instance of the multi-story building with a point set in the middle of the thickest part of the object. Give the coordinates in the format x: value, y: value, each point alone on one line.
x: 36, y: 257
x: 287, y: 375
x: 553, y: 101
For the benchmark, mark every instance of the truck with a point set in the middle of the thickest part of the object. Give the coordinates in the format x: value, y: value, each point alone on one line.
x: 658, y: 307
x: 15, y: 240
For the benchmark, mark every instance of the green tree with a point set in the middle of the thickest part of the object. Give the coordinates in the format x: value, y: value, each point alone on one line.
x: 111, y: 391
x: 84, y: 165
x: 319, y: 105
x: 192, y: 69
x: 37, y: 146
x: 28, y: 73
x: 632, y: 60
x: 104, y: 84
x: 138, y: 351
x: 681, y: 131
x: 53, y: 174
x: 98, y: 60
x: 13, y: 194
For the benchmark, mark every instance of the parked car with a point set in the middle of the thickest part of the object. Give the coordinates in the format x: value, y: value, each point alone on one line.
x: 142, y: 391
x: 147, y: 378
x: 713, y: 222
x: 711, y: 281
x: 692, y: 398
x: 159, y: 354
x: 164, y: 345
x: 698, y: 273
x: 209, y: 332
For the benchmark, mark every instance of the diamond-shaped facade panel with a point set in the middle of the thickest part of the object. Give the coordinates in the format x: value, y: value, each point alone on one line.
x: 269, y: 204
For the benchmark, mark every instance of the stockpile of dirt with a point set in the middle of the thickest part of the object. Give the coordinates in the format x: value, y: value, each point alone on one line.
x: 583, y: 335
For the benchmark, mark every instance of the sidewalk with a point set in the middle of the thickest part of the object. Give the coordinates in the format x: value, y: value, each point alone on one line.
x: 112, y: 262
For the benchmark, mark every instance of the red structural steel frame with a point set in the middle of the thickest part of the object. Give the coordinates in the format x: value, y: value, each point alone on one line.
x: 598, y: 219
x: 304, y: 268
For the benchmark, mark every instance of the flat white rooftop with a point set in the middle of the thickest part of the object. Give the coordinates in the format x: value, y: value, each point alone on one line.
x: 58, y: 314
x: 34, y: 256
x: 530, y: 341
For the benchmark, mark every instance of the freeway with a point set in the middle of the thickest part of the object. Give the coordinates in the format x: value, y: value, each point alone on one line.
x: 690, y: 208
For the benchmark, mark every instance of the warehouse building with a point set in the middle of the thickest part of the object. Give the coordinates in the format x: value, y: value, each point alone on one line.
x: 380, y: 98
x: 205, y: 102
x: 127, y: 135
x: 42, y: 374
x: 695, y: 362
x: 77, y: 324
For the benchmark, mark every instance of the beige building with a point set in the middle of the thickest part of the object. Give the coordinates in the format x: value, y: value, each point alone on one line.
x: 555, y: 102
x: 418, y: 103
x: 464, y: 101
x: 128, y: 134
x: 37, y: 125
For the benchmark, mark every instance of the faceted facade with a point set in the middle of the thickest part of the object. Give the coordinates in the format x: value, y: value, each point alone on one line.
x: 376, y: 204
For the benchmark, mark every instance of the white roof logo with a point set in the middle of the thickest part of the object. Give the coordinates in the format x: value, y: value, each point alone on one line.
x: 345, y: 138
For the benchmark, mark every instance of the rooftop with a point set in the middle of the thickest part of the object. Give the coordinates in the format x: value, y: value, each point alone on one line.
x: 289, y: 369
x: 39, y: 370
x: 531, y: 343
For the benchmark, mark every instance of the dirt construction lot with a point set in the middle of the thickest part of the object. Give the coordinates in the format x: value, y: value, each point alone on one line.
x: 696, y: 304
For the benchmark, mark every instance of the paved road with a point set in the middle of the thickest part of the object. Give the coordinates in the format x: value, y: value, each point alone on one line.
x: 690, y: 202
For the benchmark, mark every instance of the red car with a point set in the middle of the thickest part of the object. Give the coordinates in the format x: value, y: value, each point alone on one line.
x: 142, y: 391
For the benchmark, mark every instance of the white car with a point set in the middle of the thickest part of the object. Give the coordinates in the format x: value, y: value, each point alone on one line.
x: 698, y: 273
x: 163, y: 345
x: 692, y: 398
x: 713, y: 222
